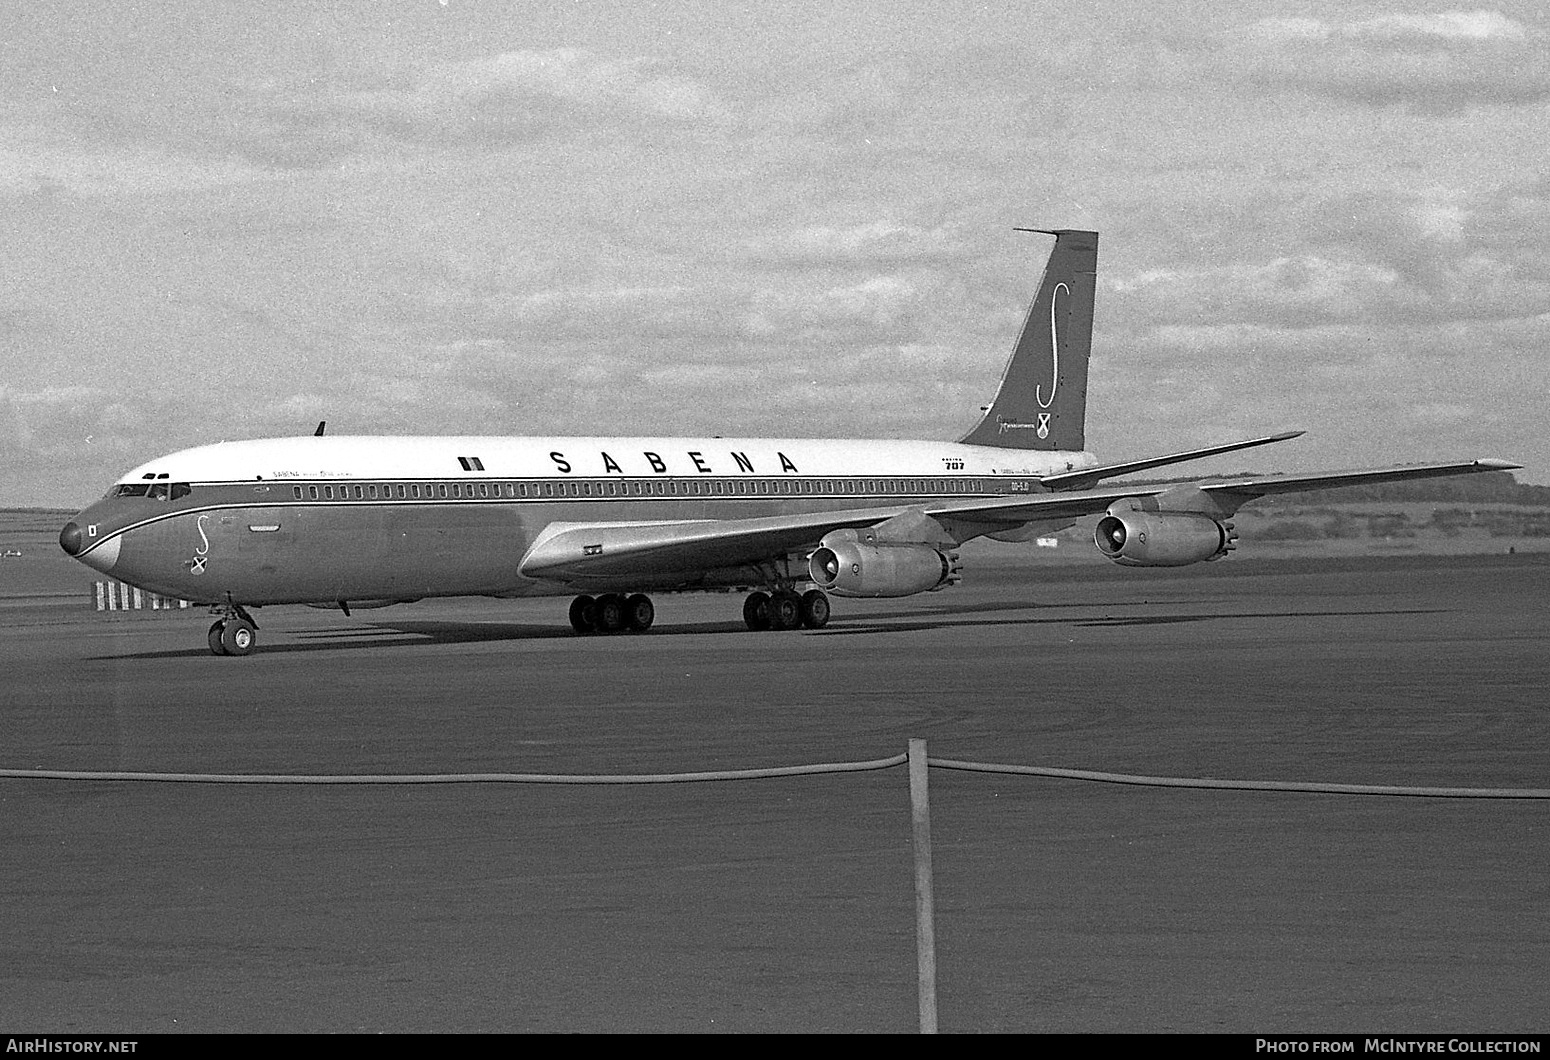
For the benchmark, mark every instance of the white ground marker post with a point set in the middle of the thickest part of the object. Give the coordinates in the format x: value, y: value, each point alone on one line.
x: 925, y: 929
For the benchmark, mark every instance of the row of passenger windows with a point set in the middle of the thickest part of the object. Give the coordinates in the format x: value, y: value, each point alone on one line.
x: 639, y: 488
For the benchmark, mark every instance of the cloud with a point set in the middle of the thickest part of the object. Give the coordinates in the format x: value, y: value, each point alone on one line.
x: 1436, y: 257
x: 35, y: 159
x: 879, y: 241
x: 638, y: 85
x: 1432, y: 63
x: 56, y: 434
x: 1446, y: 25
x: 243, y: 130
x: 492, y: 102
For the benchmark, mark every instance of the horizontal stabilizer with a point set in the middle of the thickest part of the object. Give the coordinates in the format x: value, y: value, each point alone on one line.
x: 1087, y: 477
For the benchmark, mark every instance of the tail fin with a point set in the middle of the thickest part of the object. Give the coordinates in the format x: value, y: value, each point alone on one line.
x: 1042, y: 402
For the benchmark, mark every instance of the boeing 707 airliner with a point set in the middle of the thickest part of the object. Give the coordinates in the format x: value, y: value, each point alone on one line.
x: 346, y: 522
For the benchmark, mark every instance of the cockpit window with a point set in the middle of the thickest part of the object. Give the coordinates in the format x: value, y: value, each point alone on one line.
x: 156, y: 491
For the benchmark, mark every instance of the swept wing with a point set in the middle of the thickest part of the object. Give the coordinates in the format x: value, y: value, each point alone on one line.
x: 604, y: 552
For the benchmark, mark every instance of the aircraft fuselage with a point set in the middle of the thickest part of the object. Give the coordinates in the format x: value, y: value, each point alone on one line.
x: 363, y: 520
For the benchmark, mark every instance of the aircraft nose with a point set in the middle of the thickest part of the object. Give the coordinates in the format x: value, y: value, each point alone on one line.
x: 70, y: 539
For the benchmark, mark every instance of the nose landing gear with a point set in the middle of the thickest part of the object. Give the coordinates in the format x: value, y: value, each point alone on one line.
x: 235, y: 633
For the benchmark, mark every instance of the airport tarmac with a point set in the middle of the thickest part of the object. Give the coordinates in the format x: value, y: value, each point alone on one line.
x: 786, y: 905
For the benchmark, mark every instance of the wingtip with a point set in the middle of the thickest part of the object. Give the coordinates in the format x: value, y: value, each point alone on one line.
x: 1492, y: 464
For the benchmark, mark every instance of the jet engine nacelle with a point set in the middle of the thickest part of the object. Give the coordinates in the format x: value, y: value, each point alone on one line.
x: 847, y: 566
x: 1162, y: 539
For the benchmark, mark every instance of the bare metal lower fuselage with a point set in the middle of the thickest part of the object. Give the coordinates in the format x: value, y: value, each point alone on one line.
x: 258, y: 544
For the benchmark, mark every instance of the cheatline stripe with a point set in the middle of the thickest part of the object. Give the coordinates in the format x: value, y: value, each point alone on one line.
x: 1243, y: 785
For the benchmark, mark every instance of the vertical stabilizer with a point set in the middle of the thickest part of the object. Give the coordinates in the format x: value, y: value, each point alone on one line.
x: 1042, y: 402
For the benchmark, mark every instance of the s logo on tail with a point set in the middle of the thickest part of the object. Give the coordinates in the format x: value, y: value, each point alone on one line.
x: 1054, y: 360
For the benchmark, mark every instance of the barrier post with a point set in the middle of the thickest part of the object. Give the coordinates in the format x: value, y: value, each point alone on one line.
x: 925, y: 928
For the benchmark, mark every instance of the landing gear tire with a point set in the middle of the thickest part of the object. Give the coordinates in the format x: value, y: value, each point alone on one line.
x: 238, y: 637
x: 216, y: 647
x: 610, y: 613
x: 756, y: 611
x: 639, y: 613
x: 815, y: 609
x: 785, y: 611
x: 583, y: 614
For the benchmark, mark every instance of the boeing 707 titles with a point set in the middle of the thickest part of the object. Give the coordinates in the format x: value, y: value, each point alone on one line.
x: 370, y: 521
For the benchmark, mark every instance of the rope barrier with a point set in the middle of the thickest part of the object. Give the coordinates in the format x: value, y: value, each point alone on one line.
x: 1243, y: 785
x: 459, y: 778
x: 1310, y: 787
x: 919, y: 763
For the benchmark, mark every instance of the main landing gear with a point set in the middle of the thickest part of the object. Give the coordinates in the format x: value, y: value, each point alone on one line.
x: 786, y: 610
x: 612, y: 613
x: 617, y: 613
x: 235, y: 633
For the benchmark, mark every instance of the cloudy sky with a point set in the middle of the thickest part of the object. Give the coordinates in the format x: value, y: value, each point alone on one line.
x: 232, y: 220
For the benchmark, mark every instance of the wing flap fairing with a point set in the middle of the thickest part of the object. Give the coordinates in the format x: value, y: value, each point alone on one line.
x: 572, y: 551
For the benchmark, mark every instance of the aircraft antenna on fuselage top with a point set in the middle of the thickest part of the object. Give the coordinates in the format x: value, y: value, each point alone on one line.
x: 1042, y: 401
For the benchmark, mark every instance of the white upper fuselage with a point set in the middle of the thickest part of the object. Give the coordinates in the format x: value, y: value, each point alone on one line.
x: 435, y: 457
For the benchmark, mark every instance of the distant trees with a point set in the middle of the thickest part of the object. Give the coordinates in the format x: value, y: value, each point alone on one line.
x: 1289, y: 530
x: 1495, y: 519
